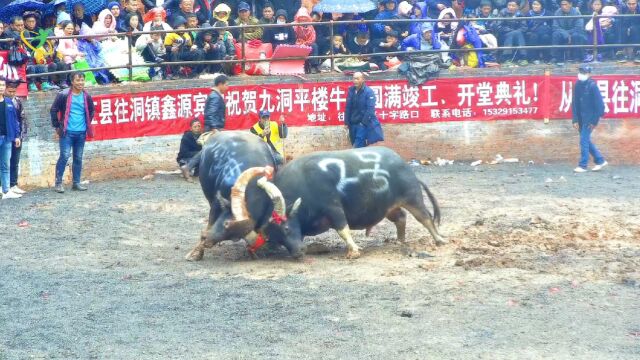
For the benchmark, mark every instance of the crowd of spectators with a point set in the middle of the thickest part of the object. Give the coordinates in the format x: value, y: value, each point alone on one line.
x: 475, y: 24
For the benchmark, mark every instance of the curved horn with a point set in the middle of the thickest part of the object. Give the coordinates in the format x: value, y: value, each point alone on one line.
x: 238, y: 191
x: 275, y: 195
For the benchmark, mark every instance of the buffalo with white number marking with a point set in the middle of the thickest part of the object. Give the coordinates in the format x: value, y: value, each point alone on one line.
x: 350, y: 190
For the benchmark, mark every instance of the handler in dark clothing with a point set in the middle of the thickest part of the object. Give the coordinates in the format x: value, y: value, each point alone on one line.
x: 214, y: 120
x: 189, y: 146
x: 10, y: 93
x: 360, y: 114
x: 214, y: 109
x: 588, y: 108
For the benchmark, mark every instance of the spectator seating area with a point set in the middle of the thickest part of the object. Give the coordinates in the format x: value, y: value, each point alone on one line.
x: 489, y: 32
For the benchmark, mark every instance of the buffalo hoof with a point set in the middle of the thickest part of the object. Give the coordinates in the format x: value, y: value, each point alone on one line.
x: 195, y: 255
x: 353, y: 254
x: 441, y: 241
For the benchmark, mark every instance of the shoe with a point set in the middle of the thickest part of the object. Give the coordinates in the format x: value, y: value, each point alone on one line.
x: 32, y: 87
x: 17, y: 190
x: 78, y: 187
x: 59, y: 189
x: 559, y: 63
x: 10, y: 195
x: 588, y: 58
x: 579, y: 170
x: 620, y: 57
x: 599, y: 167
x: 45, y: 86
x: 536, y: 62
x: 314, y: 70
x: 186, y: 173
x: 507, y: 63
x: 637, y: 58
x: 523, y: 62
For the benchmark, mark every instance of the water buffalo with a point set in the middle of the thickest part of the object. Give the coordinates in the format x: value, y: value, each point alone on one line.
x: 230, y: 163
x: 349, y: 189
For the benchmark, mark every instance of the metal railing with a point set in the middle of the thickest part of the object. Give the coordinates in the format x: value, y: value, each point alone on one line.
x: 332, y: 56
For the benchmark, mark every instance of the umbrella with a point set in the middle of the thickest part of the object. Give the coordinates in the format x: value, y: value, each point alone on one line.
x: 90, y: 6
x: 345, y: 6
x: 9, y: 9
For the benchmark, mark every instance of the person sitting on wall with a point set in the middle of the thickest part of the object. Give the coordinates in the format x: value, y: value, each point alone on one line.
x: 272, y: 133
x: 189, y: 146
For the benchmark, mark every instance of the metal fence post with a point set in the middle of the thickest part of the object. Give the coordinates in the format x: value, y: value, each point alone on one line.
x: 129, y: 41
x: 594, y: 18
x: 242, y: 43
x: 331, y: 46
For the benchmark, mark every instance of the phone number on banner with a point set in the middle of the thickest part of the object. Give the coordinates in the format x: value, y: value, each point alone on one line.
x: 511, y: 111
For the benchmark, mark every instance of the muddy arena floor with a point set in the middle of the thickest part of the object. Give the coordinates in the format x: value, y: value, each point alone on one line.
x: 543, y: 264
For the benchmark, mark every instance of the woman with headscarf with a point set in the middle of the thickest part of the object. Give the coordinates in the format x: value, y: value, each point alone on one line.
x: 306, y: 35
x: 105, y: 25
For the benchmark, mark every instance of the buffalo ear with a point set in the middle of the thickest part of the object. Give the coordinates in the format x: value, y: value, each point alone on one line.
x: 294, y: 208
x: 224, y: 203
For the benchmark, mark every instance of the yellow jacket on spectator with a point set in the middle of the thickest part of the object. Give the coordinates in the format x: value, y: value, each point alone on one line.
x: 171, y: 38
x: 273, y: 139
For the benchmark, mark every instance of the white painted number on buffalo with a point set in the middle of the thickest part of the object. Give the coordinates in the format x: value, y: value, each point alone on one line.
x: 379, y: 177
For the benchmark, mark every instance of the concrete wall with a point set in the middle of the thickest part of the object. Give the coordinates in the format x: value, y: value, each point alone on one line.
x: 555, y: 141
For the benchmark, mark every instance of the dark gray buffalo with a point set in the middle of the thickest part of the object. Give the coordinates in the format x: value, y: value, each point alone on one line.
x: 346, y: 190
x: 234, y: 168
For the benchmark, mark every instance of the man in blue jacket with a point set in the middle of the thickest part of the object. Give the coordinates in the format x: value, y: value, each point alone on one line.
x: 9, y: 134
x: 360, y: 114
x: 587, y: 108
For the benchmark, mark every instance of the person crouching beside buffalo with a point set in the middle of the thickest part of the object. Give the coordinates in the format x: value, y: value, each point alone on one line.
x: 189, y: 146
x: 272, y: 133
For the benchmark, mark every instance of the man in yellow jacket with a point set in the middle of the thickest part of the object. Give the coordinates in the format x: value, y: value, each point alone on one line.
x: 272, y: 133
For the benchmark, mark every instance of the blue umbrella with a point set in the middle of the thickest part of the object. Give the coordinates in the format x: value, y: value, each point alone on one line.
x: 90, y: 6
x: 9, y: 9
x: 345, y: 6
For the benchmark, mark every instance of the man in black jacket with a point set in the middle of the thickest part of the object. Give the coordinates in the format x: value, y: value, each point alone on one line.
x: 189, y: 146
x: 567, y: 32
x: 588, y: 109
x: 214, y: 121
x: 279, y: 35
x: 214, y: 108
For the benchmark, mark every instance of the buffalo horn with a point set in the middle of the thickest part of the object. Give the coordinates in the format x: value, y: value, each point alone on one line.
x: 274, y: 194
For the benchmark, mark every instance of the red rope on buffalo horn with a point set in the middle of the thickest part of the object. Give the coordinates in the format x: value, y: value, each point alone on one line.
x: 277, y: 219
x: 260, y: 241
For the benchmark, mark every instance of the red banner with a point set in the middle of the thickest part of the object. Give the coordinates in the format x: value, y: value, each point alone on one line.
x: 11, y: 72
x: 322, y: 104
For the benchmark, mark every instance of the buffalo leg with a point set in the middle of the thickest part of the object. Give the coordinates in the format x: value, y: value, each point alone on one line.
x: 353, y: 251
x: 399, y: 218
x: 422, y: 215
x: 198, y: 251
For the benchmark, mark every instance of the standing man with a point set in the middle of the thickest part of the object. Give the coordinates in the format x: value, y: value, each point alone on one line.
x: 9, y: 134
x: 71, y: 115
x: 10, y: 94
x: 214, y: 120
x: 215, y: 108
x: 588, y: 108
x: 360, y: 114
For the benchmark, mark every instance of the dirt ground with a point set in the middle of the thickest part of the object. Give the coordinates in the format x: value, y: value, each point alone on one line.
x: 542, y: 264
